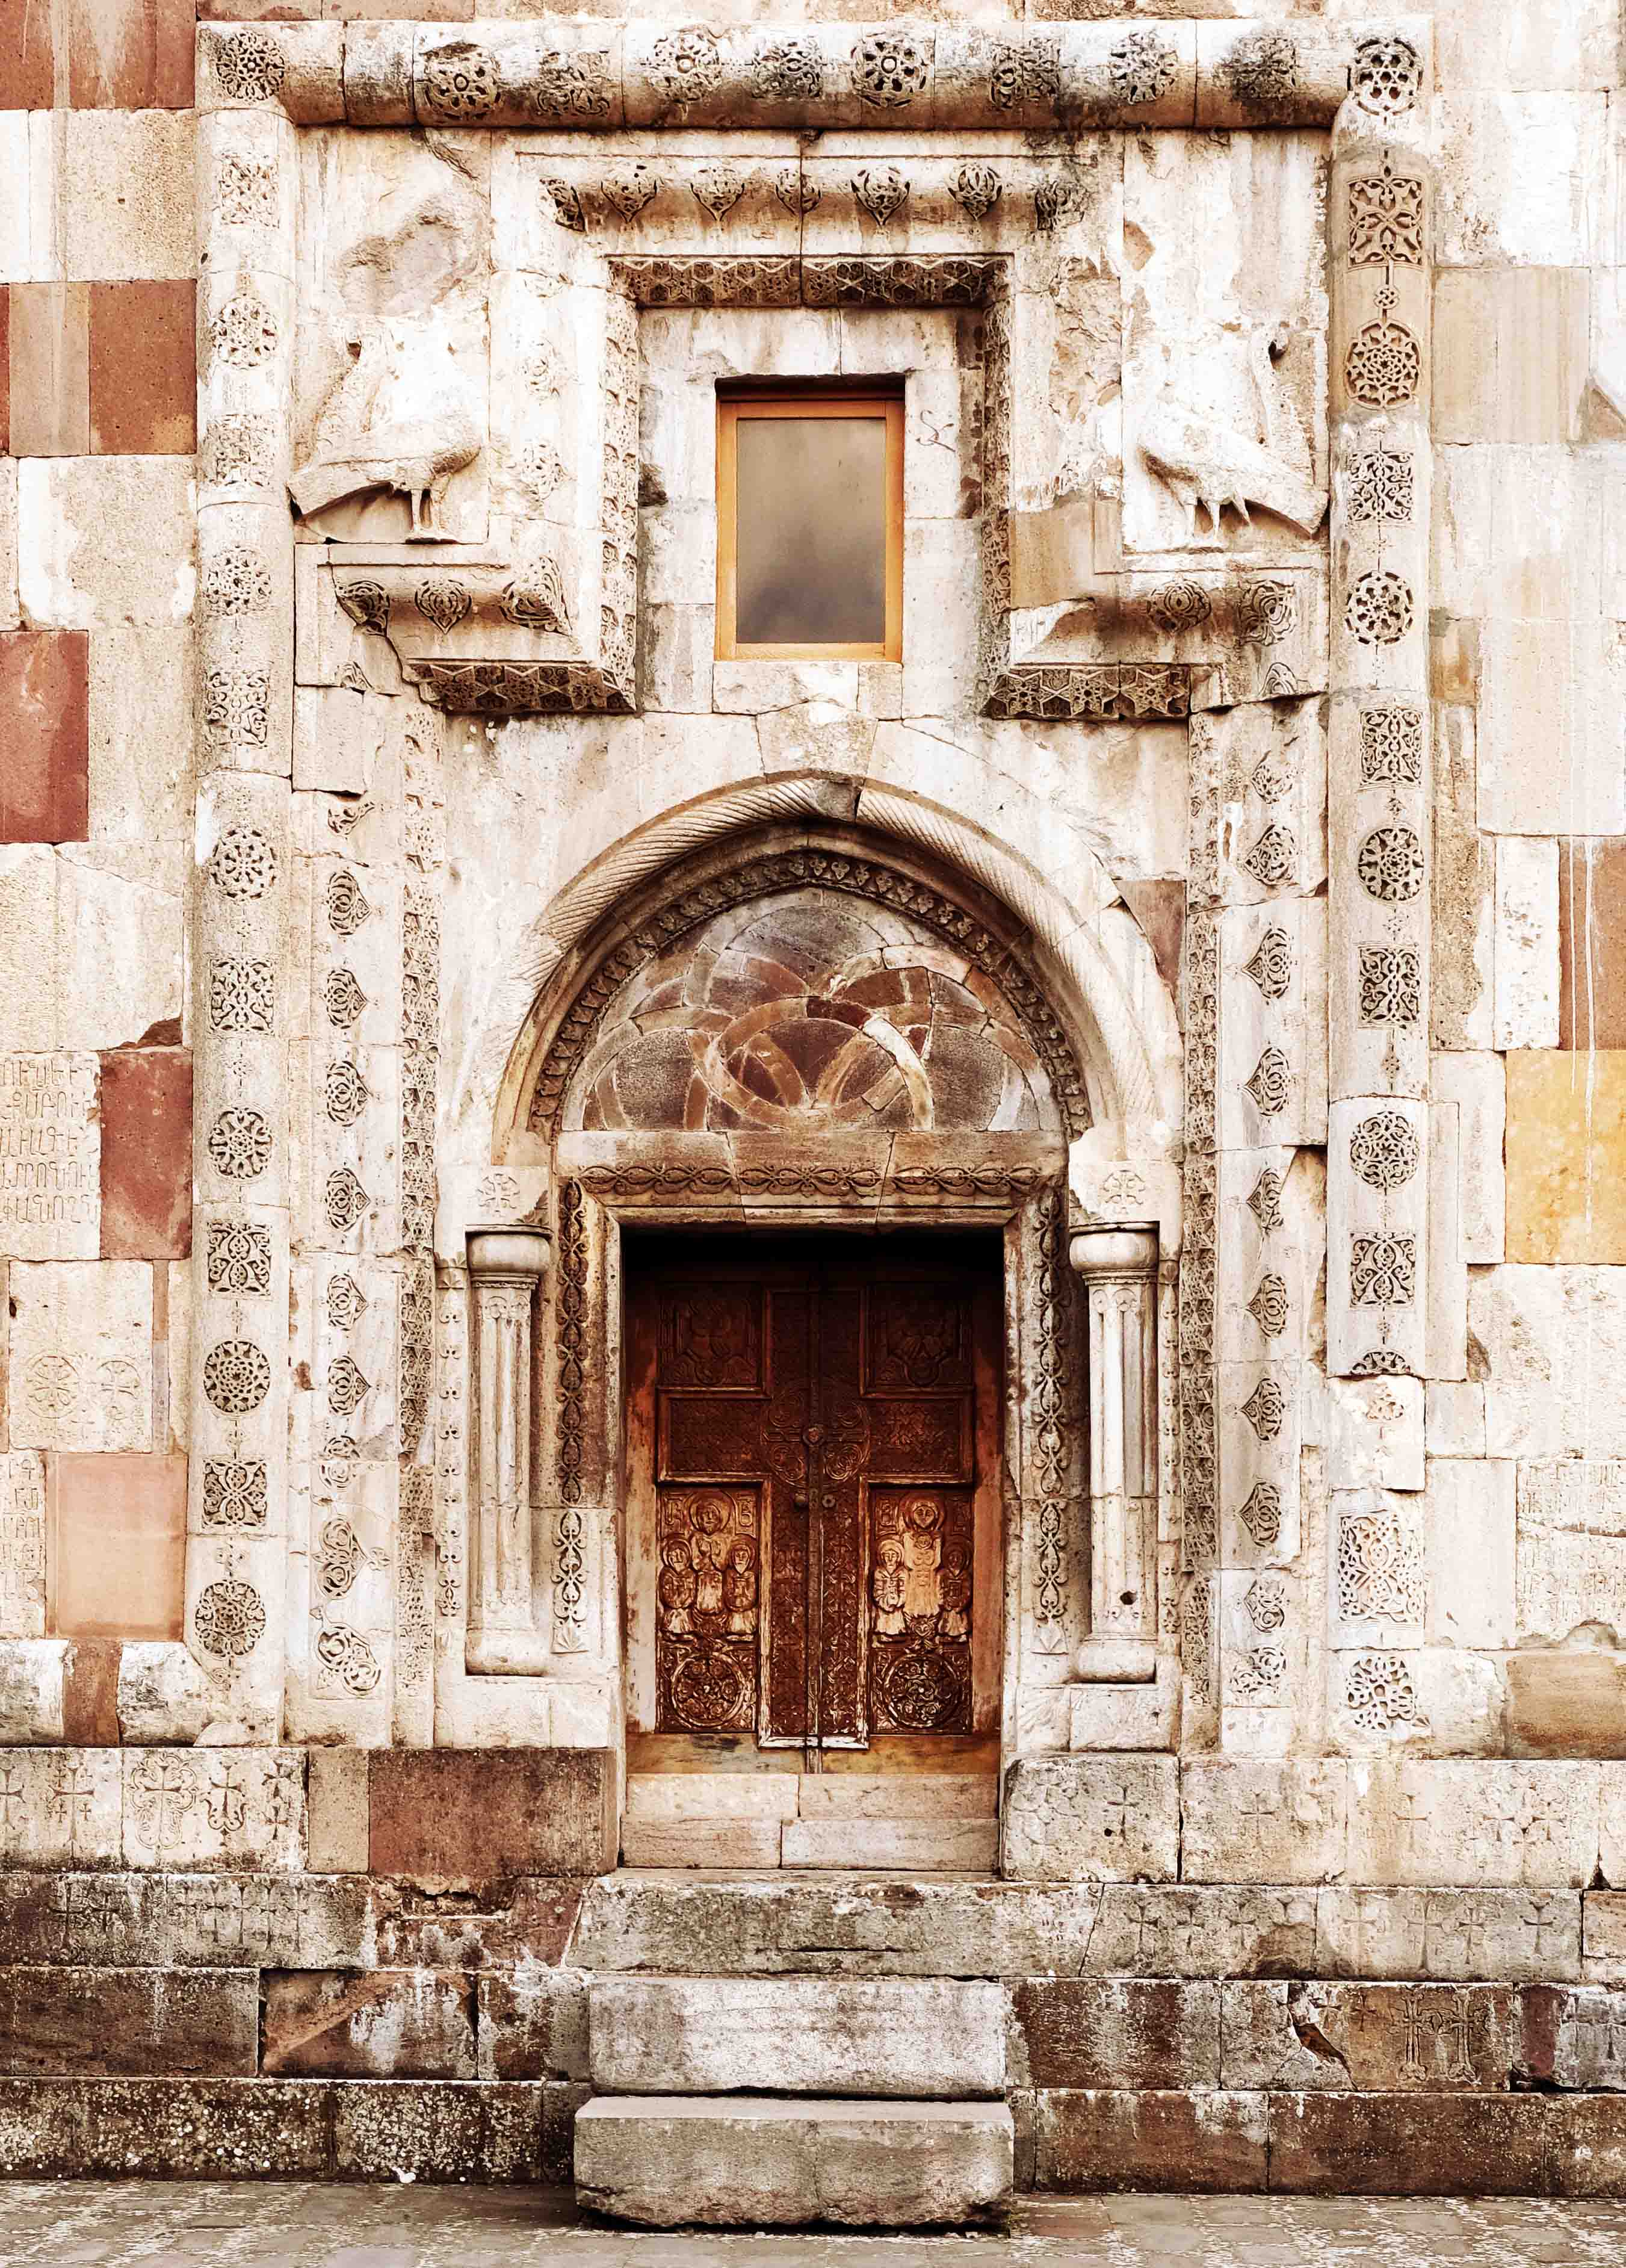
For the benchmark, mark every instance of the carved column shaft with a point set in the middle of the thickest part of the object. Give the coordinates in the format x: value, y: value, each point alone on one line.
x: 505, y: 1266
x: 1120, y: 1270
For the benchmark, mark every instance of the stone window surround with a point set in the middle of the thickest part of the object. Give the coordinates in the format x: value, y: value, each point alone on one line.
x: 322, y: 74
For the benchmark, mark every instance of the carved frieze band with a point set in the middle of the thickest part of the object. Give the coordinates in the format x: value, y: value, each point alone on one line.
x: 601, y: 77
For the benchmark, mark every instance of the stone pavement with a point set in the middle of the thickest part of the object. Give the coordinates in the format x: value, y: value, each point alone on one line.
x: 333, y: 2225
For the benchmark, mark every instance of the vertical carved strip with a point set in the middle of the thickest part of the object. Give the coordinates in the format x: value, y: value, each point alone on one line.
x: 237, y: 1505
x: 570, y: 1624
x: 505, y: 1267
x: 1199, y: 1262
x: 423, y: 849
x: 1120, y: 1270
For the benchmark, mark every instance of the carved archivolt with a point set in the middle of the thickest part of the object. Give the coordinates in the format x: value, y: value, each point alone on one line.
x: 815, y: 987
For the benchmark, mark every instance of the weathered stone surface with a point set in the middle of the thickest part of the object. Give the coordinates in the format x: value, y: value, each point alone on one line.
x: 1423, y: 2146
x: 1170, y: 1931
x: 45, y: 715
x: 900, y: 1845
x: 1115, y: 2032
x: 146, y: 1153
x: 1091, y: 1818
x: 109, y: 2022
x: 222, y: 1809
x: 120, y: 1524
x: 879, y: 1926
x: 892, y: 2037
x: 393, y: 2130
x: 739, y: 2161
x: 1490, y: 1823
x: 162, y: 1695
x: 1374, y: 2038
x: 189, y: 1921
x: 1121, y: 2138
x: 81, y: 1355
x: 711, y: 1795
x: 724, y: 1842
x: 532, y: 2023
x: 1553, y: 1339
x: 50, y: 1157
x: 165, y: 2128
x: 1262, y: 1822
x: 1573, y: 2037
x: 388, y: 2023
x: 459, y: 1816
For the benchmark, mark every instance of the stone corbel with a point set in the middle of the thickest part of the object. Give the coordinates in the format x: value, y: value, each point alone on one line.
x: 1119, y: 1270
x: 505, y: 1266
x: 486, y: 639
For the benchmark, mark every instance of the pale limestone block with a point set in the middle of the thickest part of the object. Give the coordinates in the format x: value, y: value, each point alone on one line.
x: 32, y: 1674
x: 1506, y: 517
x: 77, y: 568
x: 677, y: 554
x: 1603, y: 1960
x: 1462, y: 880
x: 933, y: 1846
x: 712, y: 1795
x: 45, y: 198
x: 1469, y: 1821
x: 895, y: 1795
x: 1571, y: 1554
x: 1370, y: 1932
x: 81, y: 1354
x: 883, y: 2035
x: 1517, y: 184
x: 1109, y: 1718
x: 1272, y: 759
x: 22, y: 1546
x: 1470, y: 1531
x: 163, y: 1697
x: 939, y: 616
x: 1181, y: 1930
x: 1445, y: 1280
x: 1555, y: 1344
x: 15, y: 264
x: 177, y: 1349
x: 1476, y: 1083
x: 236, y: 1622
x: 1375, y: 1433
x: 89, y: 960
x: 1377, y: 1233
x: 141, y: 759
x: 50, y: 1157
x: 1526, y: 942
x: 1454, y: 1411
x: 338, y: 739
x: 231, y: 1809
x: 1521, y: 1935
x: 59, y: 1808
x: 11, y: 611
x: 128, y: 190
x: 1093, y: 1818
x: 936, y: 471
x: 1525, y: 47
x: 1266, y: 1822
x: 1462, y: 1700
x: 1612, y: 1831
x: 336, y: 1800
x: 1555, y: 687
x: 677, y: 648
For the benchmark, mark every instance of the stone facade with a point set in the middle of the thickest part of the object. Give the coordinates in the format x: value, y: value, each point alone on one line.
x: 388, y: 862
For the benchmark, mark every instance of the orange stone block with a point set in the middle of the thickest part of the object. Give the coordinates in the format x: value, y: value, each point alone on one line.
x: 117, y: 1546
x: 44, y: 736
x: 1566, y: 1155
x: 129, y: 55
x: 142, y: 368
x: 26, y: 49
x: 146, y: 1153
x: 1591, y: 942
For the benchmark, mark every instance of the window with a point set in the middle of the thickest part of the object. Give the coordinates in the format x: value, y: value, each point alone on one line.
x: 810, y: 525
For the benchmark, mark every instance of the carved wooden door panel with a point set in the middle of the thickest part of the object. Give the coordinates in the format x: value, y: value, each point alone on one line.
x: 814, y: 1495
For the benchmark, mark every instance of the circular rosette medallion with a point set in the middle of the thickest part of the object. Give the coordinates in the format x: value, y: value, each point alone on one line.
x: 711, y: 1690
x: 921, y: 1691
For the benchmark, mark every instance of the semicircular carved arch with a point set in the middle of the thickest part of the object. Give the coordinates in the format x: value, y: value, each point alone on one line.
x: 805, y: 985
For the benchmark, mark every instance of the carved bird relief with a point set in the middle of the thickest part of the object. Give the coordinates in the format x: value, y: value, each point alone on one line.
x: 401, y: 421
x: 1212, y: 465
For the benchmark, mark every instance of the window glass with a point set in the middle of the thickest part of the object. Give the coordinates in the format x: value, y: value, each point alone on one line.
x: 811, y: 530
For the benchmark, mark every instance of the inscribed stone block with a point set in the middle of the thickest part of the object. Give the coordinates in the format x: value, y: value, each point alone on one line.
x: 1517, y: 1934
x: 118, y: 1546
x: 1184, y: 1930
x: 1450, y: 1820
x: 1566, y: 1155
x: 44, y: 727
x: 1244, y: 1821
x: 50, y: 1148
x: 22, y: 1544
x: 81, y: 1354
x: 59, y: 1808
x: 1374, y: 2037
x: 1554, y: 1341
x: 215, y: 1809
x: 533, y: 2022
x: 1093, y: 1818
x: 1572, y: 1548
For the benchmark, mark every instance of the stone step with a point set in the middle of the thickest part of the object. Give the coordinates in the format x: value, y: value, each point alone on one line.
x: 922, y: 1846
x: 748, y: 2160
x: 804, y: 1924
x: 924, y: 1822
x: 899, y: 2036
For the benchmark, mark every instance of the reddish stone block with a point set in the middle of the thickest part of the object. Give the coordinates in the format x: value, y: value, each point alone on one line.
x: 388, y: 2023
x: 111, y: 2022
x: 1408, y: 2144
x: 117, y: 1545
x: 146, y: 1153
x: 1125, y: 2139
x: 461, y: 1817
x: 1591, y: 942
x: 27, y: 52
x: 1129, y: 2032
x: 532, y: 2024
x: 142, y: 368
x: 1588, y: 2144
x: 1160, y: 907
x: 5, y: 370
x: 130, y: 54
x: 532, y: 1925
x: 45, y: 734
x: 48, y: 381
x: 91, y: 1694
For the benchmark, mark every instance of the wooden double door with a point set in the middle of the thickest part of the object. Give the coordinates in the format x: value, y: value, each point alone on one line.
x: 814, y: 1493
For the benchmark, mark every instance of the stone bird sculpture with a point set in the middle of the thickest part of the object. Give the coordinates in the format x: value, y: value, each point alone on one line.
x: 1211, y: 465
x: 400, y: 421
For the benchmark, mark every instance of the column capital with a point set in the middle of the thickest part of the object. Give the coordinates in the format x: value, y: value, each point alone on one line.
x: 507, y: 1255
x: 1108, y: 1255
